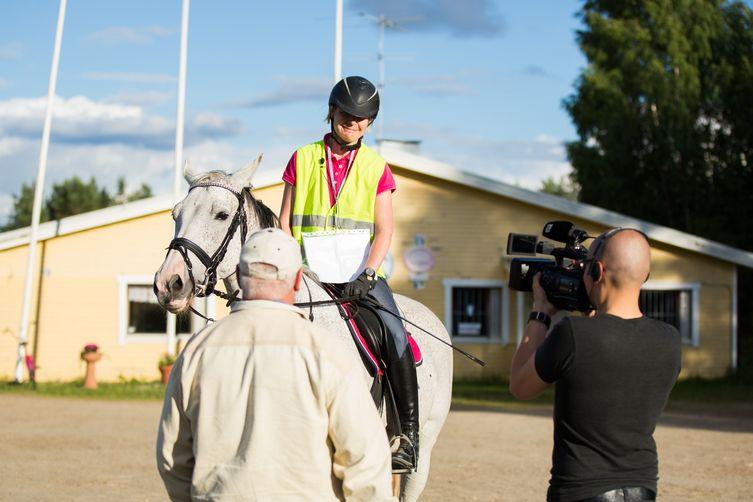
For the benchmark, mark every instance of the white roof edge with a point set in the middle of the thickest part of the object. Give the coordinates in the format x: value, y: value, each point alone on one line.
x: 418, y: 164
x: 101, y: 217
x: 588, y: 212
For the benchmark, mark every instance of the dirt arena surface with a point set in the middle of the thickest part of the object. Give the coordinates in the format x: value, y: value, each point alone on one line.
x: 87, y: 450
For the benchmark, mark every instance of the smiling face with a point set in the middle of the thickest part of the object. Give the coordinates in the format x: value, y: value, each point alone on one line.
x: 348, y: 128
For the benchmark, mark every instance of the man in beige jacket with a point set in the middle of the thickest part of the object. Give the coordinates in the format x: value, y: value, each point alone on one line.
x: 262, y: 405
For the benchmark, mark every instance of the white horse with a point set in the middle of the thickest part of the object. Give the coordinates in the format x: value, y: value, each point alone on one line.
x: 205, y: 219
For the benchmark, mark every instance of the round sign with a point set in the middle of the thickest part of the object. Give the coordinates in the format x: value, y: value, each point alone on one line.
x: 419, y: 259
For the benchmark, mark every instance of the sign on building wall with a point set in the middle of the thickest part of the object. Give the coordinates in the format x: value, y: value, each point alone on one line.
x: 419, y: 260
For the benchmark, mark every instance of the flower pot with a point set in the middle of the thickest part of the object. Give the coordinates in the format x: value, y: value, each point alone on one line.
x: 91, y: 358
x: 165, y: 371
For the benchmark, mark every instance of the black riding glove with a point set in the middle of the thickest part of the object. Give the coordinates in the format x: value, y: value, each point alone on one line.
x: 362, y: 284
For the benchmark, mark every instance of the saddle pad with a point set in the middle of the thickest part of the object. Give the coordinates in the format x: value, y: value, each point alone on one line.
x: 418, y: 357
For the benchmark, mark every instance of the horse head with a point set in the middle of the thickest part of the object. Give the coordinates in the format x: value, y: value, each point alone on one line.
x: 210, y: 225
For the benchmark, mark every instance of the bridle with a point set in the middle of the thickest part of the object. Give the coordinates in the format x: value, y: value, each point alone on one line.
x: 183, y: 246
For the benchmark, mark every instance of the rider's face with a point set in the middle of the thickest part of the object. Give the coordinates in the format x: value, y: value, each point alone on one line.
x: 349, y: 128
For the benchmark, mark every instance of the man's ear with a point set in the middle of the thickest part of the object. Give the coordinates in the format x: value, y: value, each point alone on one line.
x: 298, y: 279
x: 596, y: 271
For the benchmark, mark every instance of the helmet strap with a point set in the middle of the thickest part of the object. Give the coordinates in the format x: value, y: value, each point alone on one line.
x: 343, y: 145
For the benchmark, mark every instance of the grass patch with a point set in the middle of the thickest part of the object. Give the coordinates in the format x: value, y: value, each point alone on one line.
x: 732, y: 388
x: 122, y: 390
x: 496, y: 394
x: 490, y: 393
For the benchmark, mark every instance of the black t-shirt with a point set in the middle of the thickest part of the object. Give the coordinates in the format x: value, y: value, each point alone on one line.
x: 613, y: 378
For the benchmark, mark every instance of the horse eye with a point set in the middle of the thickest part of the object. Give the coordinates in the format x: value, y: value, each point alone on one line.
x: 222, y: 216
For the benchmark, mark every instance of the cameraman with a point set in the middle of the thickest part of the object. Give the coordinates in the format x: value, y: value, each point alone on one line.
x: 614, y: 371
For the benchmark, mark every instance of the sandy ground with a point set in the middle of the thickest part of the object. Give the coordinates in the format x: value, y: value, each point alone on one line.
x: 86, y: 450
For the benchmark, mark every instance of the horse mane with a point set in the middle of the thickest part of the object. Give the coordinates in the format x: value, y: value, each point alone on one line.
x: 266, y: 217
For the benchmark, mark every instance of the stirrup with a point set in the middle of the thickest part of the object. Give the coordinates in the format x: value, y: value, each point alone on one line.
x: 406, y: 468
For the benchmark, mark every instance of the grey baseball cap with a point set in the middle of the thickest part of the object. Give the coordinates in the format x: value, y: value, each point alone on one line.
x: 271, y: 246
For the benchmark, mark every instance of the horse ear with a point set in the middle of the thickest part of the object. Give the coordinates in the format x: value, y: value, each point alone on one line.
x: 243, y: 176
x: 192, y: 175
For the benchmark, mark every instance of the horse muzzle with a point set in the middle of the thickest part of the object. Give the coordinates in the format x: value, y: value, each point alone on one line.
x: 174, y: 293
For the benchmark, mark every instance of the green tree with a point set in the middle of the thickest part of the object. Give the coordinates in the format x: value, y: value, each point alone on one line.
x: 561, y: 187
x: 73, y: 196
x: 22, y: 208
x: 122, y: 195
x: 69, y: 197
x: 664, y: 114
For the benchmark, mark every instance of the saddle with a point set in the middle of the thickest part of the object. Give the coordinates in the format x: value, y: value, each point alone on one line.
x: 369, y: 334
x: 368, y: 331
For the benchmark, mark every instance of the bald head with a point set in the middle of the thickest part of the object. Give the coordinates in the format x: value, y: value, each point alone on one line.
x: 626, y: 256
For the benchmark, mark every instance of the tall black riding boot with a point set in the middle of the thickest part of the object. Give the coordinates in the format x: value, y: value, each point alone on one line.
x: 402, y: 375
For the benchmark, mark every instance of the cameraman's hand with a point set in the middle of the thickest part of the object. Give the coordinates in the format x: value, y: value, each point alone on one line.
x: 540, y: 301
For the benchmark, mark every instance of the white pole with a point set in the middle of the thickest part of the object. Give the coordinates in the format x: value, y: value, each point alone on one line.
x: 380, y: 58
x: 180, y: 118
x: 338, y: 40
x: 179, y: 127
x: 38, y: 193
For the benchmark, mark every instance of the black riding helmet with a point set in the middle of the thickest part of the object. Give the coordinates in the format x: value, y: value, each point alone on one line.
x: 356, y: 96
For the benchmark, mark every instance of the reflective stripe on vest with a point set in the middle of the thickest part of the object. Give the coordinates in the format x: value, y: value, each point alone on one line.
x: 330, y: 221
x: 354, y: 207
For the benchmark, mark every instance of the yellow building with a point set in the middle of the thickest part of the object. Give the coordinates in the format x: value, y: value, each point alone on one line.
x: 94, y: 273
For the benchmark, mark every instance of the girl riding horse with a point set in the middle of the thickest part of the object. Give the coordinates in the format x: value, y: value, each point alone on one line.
x: 340, y: 190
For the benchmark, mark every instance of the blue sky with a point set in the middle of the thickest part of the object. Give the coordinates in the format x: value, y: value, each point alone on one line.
x: 479, y: 82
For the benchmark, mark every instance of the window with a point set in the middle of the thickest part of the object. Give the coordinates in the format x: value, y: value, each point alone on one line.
x: 476, y: 310
x: 675, y: 304
x: 143, y: 320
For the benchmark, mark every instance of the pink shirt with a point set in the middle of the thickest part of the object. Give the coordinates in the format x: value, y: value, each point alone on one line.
x: 340, y: 168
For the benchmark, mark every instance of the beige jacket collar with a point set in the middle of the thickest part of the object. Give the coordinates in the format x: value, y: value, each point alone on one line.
x: 266, y: 305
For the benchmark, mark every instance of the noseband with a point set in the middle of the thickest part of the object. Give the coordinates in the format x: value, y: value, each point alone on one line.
x: 183, y: 245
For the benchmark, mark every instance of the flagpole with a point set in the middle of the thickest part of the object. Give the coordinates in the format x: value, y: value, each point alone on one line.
x: 38, y: 194
x: 179, y: 129
x: 338, y: 40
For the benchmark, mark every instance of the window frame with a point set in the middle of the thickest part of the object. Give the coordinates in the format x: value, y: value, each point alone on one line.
x: 125, y: 338
x: 503, y: 336
x: 695, y: 304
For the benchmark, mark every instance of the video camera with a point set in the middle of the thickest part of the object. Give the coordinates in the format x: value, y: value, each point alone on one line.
x: 561, y: 278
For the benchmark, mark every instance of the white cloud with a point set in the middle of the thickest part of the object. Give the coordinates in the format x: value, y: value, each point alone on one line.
x: 469, y: 18
x: 136, y: 78
x: 106, y: 163
x: 9, y: 146
x: 290, y: 90
x: 523, y: 162
x: 435, y: 85
x: 130, y: 35
x: 11, y: 50
x: 145, y: 98
x: 533, y: 70
x: 81, y: 120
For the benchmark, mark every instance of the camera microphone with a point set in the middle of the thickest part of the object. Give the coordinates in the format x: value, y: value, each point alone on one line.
x: 559, y: 231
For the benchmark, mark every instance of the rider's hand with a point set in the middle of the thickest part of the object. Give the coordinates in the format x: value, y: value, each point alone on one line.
x: 540, y: 301
x: 361, y: 286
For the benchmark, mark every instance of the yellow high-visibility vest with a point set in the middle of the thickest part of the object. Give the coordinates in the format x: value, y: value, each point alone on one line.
x: 354, y: 207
